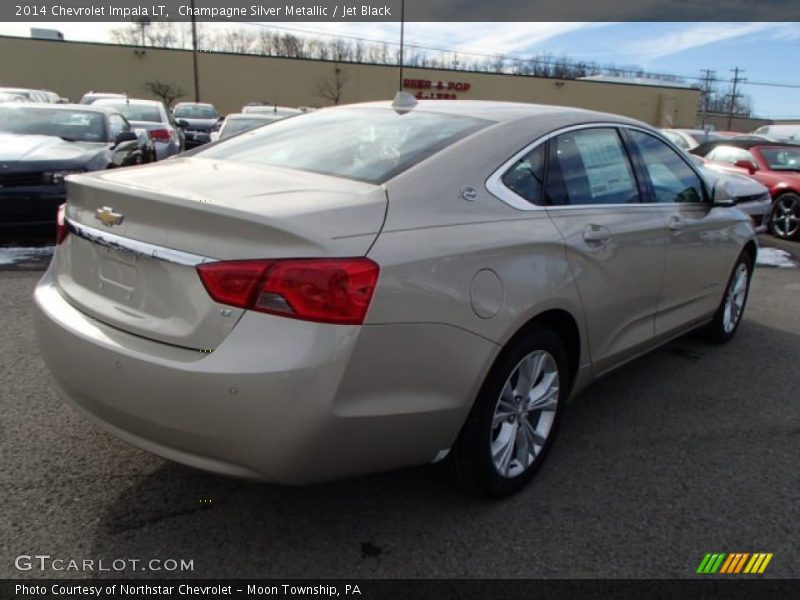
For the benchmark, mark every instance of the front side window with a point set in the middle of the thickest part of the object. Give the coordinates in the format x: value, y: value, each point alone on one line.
x: 670, y: 176
x: 782, y: 159
x: 589, y: 166
x: 366, y: 144
x: 116, y: 125
x: 526, y: 176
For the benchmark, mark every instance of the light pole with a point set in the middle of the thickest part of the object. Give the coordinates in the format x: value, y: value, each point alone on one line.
x: 402, y: 35
x: 194, y: 56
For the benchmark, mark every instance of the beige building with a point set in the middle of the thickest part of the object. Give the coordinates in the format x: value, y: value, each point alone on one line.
x: 230, y: 81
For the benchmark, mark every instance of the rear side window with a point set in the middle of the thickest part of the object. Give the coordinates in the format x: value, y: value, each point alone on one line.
x: 671, y: 178
x: 526, y: 176
x: 588, y: 167
x: 367, y: 144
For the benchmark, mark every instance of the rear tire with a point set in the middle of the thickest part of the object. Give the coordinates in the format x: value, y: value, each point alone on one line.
x: 515, y: 416
x: 731, y: 309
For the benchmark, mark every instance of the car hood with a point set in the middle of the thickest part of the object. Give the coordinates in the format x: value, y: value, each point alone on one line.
x: 738, y: 185
x: 28, y: 148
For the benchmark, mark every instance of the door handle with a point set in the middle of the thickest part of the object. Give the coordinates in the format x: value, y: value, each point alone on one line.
x: 676, y: 224
x: 596, y: 234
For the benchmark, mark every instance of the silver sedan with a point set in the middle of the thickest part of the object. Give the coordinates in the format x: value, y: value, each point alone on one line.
x: 374, y: 286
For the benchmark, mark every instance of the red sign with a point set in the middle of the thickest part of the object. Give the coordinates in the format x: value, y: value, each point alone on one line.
x: 444, y: 90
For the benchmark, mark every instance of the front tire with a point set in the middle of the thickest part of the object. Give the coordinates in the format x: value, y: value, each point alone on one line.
x: 515, y: 417
x: 784, y: 222
x: 729, y: 314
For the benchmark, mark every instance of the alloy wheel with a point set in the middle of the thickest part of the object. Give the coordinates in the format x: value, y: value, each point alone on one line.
x: 735, y: 297
x: 786, y: 216
x: 524, y: 413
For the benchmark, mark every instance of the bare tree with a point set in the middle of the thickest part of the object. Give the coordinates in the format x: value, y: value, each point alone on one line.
x: 330, y: 88
x: 165, y: 92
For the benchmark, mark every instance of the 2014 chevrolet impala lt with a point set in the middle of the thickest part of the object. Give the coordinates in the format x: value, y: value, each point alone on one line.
x: 374, y: 286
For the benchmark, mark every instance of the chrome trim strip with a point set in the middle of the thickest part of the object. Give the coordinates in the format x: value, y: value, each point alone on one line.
x: 495, y: 186
x: 135, y: 247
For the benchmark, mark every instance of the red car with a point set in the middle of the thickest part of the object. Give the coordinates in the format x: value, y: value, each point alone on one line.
x: 773, y: 164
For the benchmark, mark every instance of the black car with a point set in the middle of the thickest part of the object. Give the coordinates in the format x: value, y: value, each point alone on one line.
x: 40, y: 144
x: 198, y: 121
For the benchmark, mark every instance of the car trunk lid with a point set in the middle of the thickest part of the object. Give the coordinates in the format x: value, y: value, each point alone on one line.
x: 138, y: 234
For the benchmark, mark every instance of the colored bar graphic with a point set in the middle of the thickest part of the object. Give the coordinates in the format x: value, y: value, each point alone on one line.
x: 764, y: 564
x: 703, y: 563
x: 727, y: 564
x: 734, y: 563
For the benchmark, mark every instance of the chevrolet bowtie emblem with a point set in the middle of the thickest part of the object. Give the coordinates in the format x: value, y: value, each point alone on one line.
x: 108, y: 217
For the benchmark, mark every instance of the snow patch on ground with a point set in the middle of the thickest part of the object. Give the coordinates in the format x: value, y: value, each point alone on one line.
x: 775, y: 257
x: 13, y: 255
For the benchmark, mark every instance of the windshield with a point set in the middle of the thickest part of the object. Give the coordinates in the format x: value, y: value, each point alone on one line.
x: 195, y: 111
x: 367, y: 144
x: 133, y: 111
x: 234, y: 126
x: 70, y: 125
x: 782, y: 159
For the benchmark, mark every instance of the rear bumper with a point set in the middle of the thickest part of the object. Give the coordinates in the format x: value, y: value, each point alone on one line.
x: 279, y: 400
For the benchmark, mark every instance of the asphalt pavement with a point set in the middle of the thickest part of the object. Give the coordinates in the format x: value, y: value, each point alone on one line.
x: 692, y: 449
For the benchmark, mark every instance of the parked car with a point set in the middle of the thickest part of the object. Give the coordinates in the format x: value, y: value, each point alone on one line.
x: 241, y: 122
x: 751, y: 197
x: 773, y: 164
x: 691, y: 138
x: 282, y: 111
x: 368, y: 287
x: 32, y: 95
x: 151, y: 115
x: 781, y: 133
x: 40, y: 144
x: 10, y: 97
x: 198, y: 121
x: 91, y: 97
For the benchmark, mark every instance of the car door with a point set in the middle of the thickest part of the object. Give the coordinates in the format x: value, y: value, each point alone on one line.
x: 615, y: 243
x: 701, y: 251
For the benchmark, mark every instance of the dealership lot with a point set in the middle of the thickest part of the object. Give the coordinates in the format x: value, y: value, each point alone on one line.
x: 691, y: 449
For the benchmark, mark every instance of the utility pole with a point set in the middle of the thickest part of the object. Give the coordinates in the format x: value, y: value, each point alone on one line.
x: 194, y: 56
x: 402, y: 37
x: 708, y: 77
x: 734, y: 95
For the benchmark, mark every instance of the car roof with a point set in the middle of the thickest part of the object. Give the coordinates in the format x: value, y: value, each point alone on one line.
x: 251, y: 115
x: 495, y: 111
x: 194, y: 104
x: 52, y: 106
x: 108, y: 101
x: 707, y: 147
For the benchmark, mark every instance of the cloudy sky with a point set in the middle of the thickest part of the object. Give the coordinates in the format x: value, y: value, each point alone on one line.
x: 767, y: 52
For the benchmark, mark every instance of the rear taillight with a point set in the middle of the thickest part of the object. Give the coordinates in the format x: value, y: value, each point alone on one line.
x: 326, y: 290
x: 61, y: 224
x: 160, y: 135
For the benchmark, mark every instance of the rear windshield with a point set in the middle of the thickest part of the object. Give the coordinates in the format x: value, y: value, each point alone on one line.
x: 195, y: 111
x: 234, y: 126
x: 133, y: 111
x: 366, y: 144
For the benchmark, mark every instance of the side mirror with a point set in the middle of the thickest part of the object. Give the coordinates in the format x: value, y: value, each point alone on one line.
x: 749, y: 165
x: 721, y: 196
x: 183, y: 123
x: 125, y: 136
